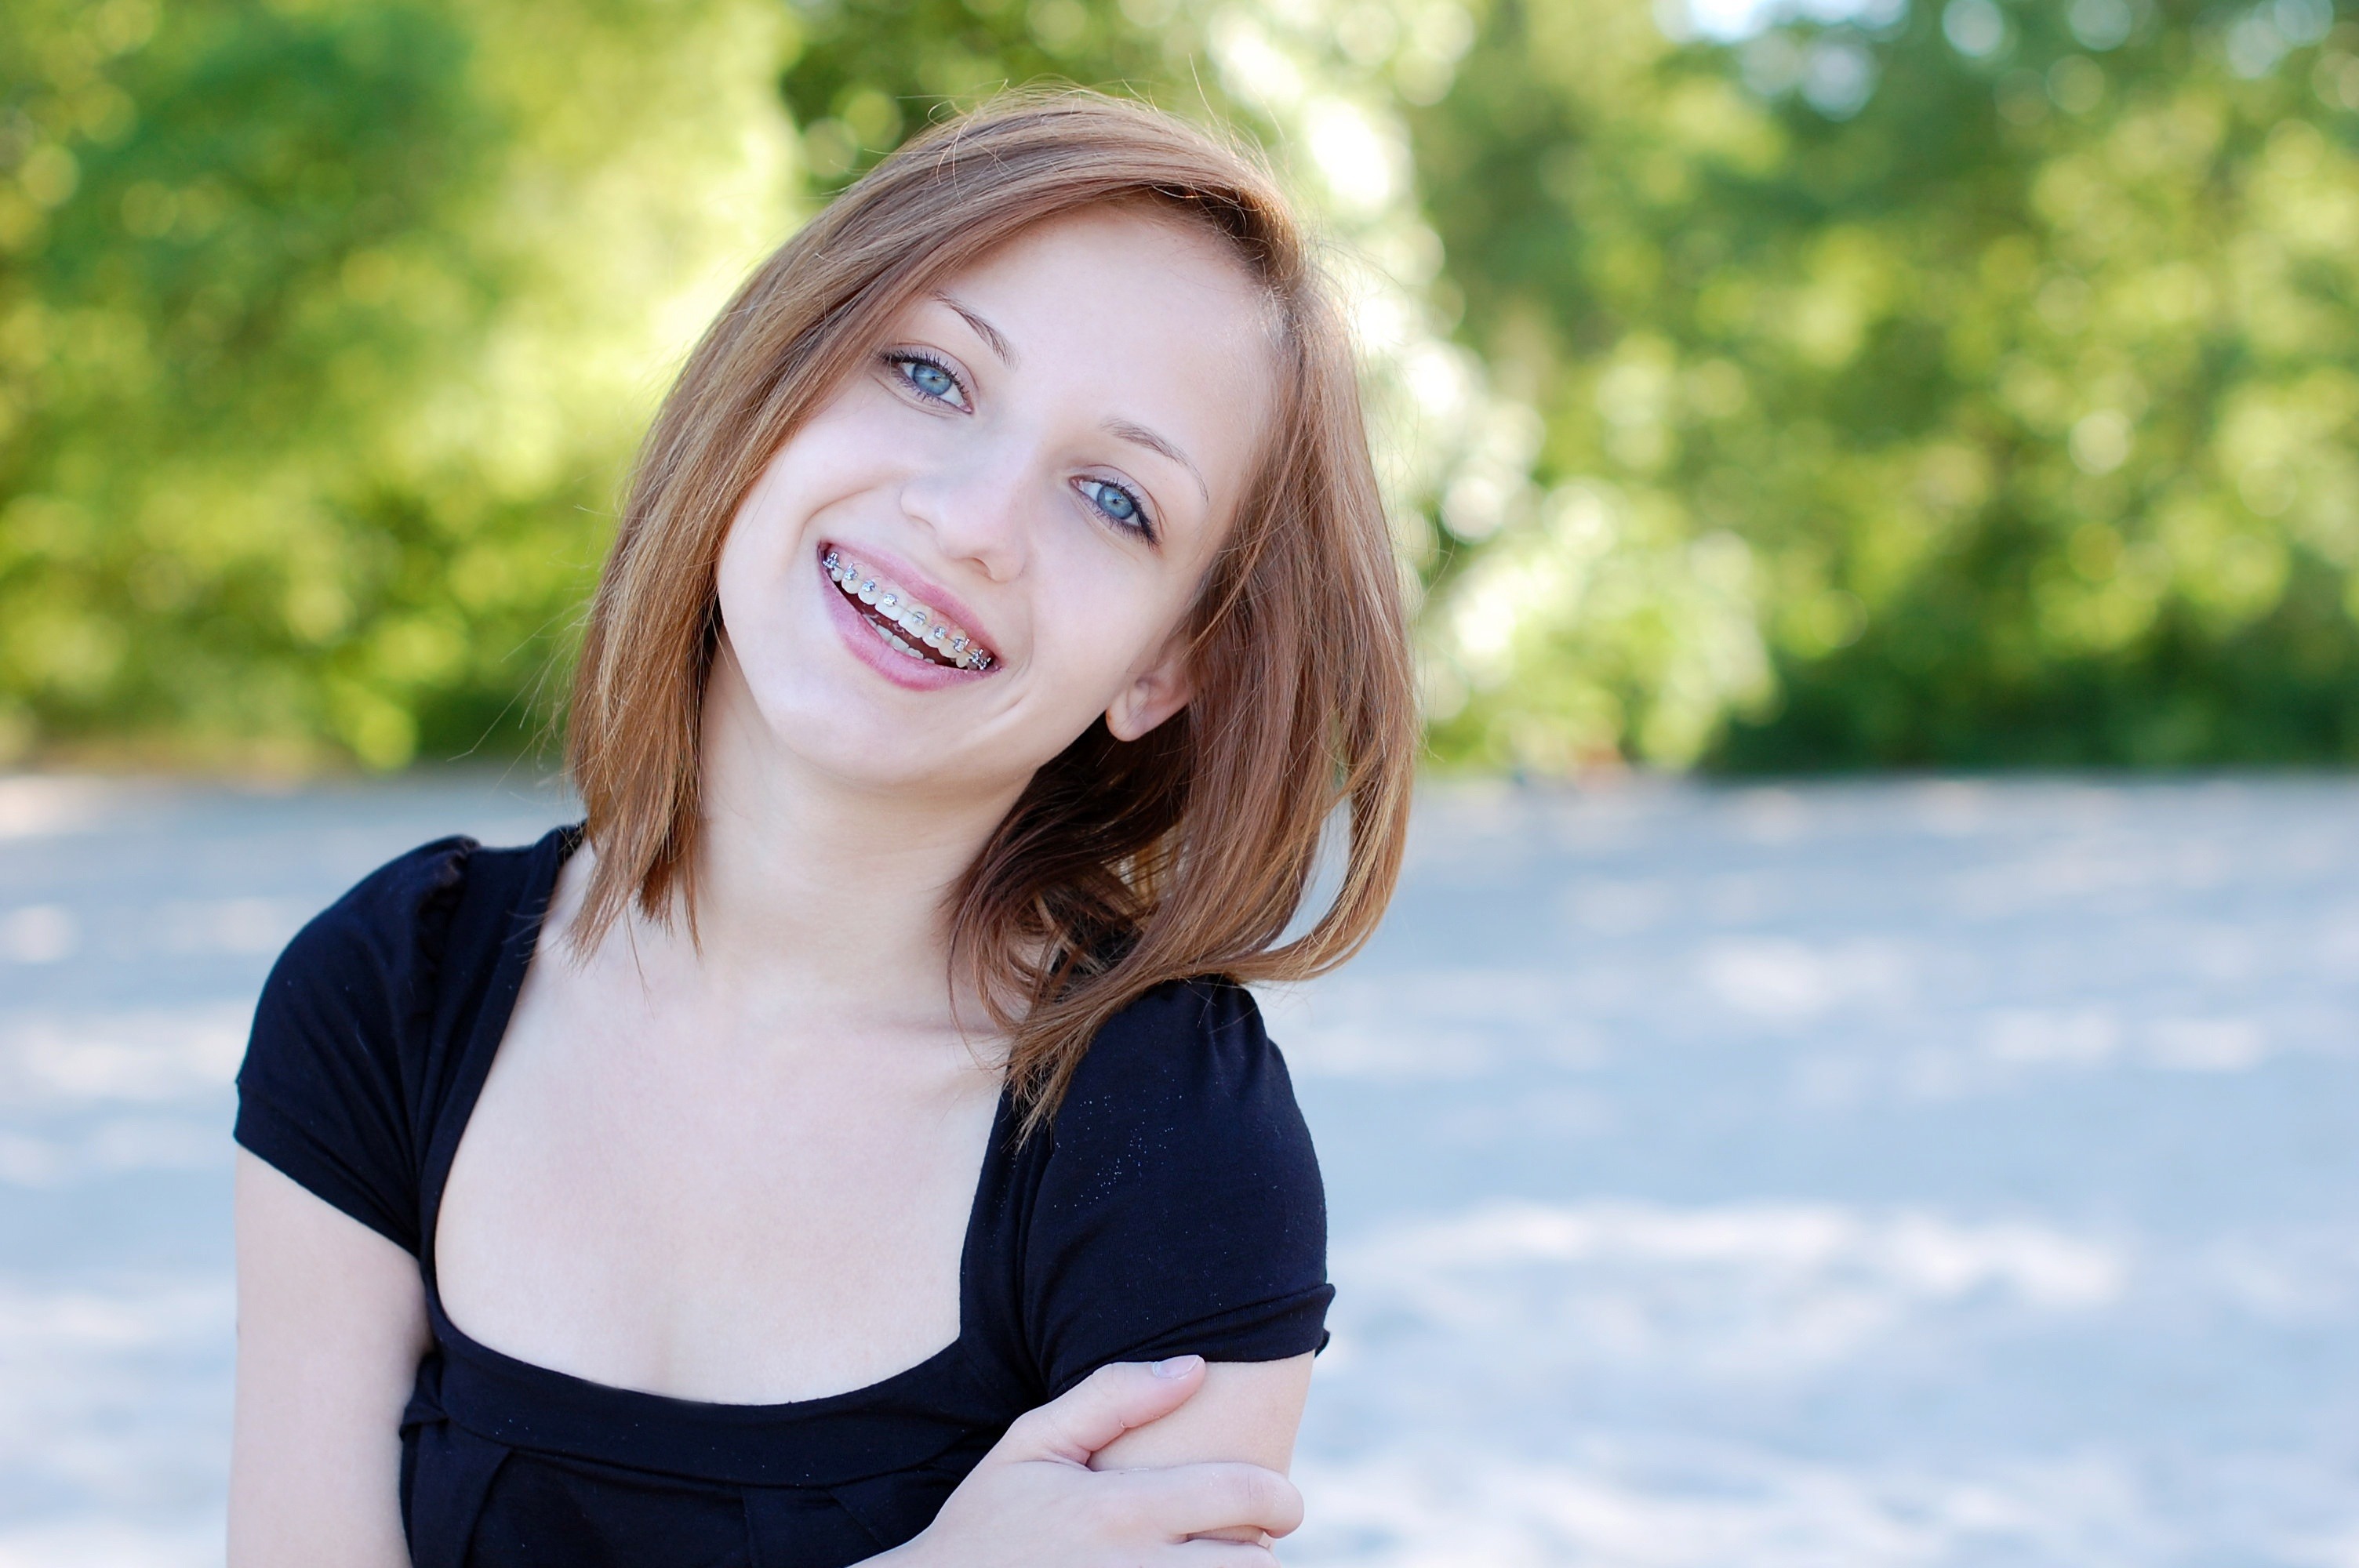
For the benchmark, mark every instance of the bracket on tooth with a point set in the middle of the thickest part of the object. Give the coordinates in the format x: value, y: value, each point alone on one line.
x: 971, y: 659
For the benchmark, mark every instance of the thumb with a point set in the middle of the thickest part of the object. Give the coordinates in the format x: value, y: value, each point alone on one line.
x: 1101, y: 1408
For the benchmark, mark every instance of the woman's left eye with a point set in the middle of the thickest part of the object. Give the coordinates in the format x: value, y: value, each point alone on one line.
x: 1119, y: 504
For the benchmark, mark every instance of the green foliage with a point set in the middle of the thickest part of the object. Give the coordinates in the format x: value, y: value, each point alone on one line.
x: 326, y: 329
x: 177, y: 326
x: 868, y: 75
x: 2002, y: 415
x: 310, y: 396
x: 1961, y: 387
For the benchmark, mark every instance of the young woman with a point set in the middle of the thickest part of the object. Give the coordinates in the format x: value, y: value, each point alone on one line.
x: 853, y: 1142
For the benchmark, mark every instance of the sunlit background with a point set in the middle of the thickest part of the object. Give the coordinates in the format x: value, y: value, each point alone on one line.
x: 1763, y: 389
x: 1952, y: 1164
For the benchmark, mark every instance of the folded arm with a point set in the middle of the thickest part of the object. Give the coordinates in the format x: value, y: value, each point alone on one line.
x: 1247, y: 1410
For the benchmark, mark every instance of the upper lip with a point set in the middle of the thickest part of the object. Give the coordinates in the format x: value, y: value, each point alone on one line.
x: 946, y: 605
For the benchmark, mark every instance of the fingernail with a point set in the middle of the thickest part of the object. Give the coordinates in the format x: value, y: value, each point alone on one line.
x: 1178, y: 1365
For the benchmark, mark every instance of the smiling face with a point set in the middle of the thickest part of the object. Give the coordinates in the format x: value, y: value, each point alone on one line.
x: 991, y: 532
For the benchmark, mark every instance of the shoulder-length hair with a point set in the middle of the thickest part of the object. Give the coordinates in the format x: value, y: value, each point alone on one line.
x: 1122, y: 866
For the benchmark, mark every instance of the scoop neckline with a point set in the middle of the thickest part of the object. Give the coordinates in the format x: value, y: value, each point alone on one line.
x: 490, y: 1027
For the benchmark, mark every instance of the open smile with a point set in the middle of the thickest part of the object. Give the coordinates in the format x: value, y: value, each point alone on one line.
x: 900, y: 621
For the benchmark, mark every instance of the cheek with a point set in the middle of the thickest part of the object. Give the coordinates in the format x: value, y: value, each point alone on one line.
x: 765, y: 539
x: 838, y: 450
x: 748, y: 578
x: 765, y: 583
x: 739, y: 583
x: 1113, y: 629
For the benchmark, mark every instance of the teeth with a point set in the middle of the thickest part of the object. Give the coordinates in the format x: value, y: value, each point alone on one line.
x: 952, y: 645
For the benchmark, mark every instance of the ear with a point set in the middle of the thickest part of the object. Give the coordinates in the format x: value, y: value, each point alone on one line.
x: 1152, y: 696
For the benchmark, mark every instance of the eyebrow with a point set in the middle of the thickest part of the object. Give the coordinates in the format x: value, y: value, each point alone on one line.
x: 984, y: 330
x: 1139, y: 435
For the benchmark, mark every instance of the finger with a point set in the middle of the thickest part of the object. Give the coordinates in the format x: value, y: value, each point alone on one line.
x: 1192, y: 1499
x: 1101, y: 1408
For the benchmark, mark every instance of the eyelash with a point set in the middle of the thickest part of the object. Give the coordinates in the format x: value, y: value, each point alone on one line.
x: 1141, y: 522
x: 897, y: 359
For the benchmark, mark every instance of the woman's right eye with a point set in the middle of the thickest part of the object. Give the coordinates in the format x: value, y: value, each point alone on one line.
x: 927, y: 378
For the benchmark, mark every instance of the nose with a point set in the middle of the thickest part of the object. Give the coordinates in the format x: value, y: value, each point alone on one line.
x: 975, y: 506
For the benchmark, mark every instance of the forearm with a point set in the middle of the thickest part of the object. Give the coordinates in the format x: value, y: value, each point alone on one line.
x: 1036, y: 1501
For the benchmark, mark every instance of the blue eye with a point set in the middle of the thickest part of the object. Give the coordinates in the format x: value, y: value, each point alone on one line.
x: 935, y: 383
x: 1116, y: 502
x: 931, y: 379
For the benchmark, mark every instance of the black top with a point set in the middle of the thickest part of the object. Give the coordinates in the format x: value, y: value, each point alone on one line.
x: 1172, y: 1207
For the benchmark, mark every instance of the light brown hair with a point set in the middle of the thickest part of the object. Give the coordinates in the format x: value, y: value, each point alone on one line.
x: 1122, y: 866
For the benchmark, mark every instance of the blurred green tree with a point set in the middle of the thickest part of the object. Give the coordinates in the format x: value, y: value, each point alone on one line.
x: 1959, y: 386
x: 1955, y: 386
x: 323, y: 331
x: 326, y: 329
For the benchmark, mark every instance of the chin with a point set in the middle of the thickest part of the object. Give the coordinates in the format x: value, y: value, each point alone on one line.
x: 832, y: 727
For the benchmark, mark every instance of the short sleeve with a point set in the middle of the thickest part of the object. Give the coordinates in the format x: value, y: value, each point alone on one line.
x: 331, y: 1086
x: 1179, y: 1209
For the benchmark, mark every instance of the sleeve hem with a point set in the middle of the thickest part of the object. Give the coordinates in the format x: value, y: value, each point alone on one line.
x: 1275, y: 1330
x: 280, y: 1141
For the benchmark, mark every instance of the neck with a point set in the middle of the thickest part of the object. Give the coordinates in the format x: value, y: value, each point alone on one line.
x: 820, y: 889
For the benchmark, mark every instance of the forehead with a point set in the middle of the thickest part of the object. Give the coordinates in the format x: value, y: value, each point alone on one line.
x: 1131, y: 262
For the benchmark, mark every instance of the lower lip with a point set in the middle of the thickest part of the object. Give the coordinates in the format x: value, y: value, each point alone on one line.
x: 859, y: 634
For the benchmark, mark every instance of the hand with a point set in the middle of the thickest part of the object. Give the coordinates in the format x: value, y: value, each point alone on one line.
x: 1034, y: 1502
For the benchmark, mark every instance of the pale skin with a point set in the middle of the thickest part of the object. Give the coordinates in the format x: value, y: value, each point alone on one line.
x: 739, y: 1169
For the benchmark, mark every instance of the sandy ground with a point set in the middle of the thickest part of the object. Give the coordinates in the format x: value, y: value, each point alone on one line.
x: 1832, y: 1176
